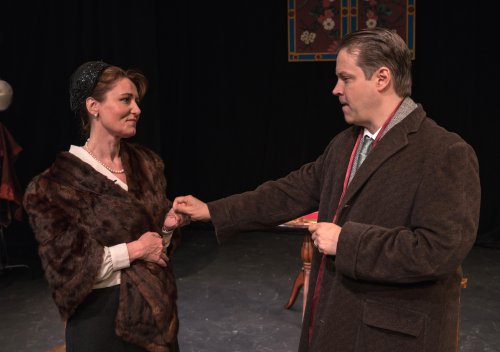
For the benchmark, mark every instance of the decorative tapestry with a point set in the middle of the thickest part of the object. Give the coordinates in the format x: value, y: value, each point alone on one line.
x: 315, y: 27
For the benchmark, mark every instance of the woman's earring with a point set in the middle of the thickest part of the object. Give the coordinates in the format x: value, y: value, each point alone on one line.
x: 96, y: 115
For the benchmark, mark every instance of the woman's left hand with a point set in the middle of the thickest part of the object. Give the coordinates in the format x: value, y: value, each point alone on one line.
x: 148, y: 247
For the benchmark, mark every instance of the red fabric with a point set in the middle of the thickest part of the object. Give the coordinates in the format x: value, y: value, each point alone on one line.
x: 10, y: 192
x: 323, y: 258
x: 312, y: 216
x: 346, y: 182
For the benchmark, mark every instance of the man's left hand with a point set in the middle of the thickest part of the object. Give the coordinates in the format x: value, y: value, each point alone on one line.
x: 325, y: 236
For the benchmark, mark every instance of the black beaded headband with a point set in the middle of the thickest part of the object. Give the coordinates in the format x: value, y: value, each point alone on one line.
x: 82, y: 83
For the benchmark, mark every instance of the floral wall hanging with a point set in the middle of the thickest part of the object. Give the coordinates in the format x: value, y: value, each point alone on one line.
x: 315, y: 27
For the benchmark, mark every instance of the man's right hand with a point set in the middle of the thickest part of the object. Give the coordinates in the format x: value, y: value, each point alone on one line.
x: 192, y: 207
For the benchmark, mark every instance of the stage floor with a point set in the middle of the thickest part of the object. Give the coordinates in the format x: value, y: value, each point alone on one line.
x: 232, y: 297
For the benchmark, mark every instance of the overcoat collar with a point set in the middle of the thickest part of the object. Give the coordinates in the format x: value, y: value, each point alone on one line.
x: 395, y: 140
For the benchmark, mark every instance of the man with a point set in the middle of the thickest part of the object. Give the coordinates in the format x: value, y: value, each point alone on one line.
x: 391, y: 233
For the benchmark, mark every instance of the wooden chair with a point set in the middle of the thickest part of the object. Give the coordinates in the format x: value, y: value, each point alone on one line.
x: 463, y: 284
x: 302, y: 280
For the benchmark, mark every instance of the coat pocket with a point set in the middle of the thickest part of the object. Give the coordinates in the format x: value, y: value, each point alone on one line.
x: 390, y: 328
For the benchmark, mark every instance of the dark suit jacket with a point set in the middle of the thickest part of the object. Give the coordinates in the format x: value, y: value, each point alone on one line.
x: 409, y: 217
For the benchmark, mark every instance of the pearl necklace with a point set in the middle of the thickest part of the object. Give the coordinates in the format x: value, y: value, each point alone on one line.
x: 86, y: 147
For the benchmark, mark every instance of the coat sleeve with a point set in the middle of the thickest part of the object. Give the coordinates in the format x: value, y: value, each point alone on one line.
x: 270, y: 204
x: 70, y: 257
x: 444, y: 221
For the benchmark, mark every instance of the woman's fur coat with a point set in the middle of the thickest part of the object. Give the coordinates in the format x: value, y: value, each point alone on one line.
x: 75, y: 211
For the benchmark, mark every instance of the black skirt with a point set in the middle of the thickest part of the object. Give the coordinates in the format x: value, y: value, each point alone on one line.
x: 92, y: 327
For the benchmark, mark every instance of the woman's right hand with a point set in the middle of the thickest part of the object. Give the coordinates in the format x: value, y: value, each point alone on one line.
x: 148, y: 247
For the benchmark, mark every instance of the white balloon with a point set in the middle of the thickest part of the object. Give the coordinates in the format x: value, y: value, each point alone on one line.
x: 5, y: 95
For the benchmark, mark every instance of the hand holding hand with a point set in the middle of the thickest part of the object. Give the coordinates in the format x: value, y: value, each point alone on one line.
x: 148, y: 247
x: 325, y: 236
x: 174, y: 220
x: 192, y: 207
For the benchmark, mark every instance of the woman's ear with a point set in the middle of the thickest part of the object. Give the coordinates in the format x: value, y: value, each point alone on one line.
x: 92, y: 106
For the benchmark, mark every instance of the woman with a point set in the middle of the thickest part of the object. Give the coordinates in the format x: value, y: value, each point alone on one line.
x: 97, y: 213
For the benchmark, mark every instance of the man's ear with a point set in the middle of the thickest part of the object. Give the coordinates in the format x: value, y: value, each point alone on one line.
x: 383, y: 77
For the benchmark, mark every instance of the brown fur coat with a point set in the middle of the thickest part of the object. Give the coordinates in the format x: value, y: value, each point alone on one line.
x: 75, y: 211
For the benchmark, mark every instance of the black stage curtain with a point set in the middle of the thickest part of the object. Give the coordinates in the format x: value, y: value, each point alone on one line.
x: 225, y: 109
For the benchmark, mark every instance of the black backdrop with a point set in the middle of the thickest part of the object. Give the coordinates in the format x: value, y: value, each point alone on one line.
x: 225, y: 109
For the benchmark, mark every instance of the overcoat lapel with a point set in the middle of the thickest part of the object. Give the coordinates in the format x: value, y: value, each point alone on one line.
x: 395, y: 140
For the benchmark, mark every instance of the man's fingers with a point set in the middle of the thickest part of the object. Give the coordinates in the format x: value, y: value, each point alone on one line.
x: 312, y: 227
x: 180, y: 206
x: 181, y: 200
